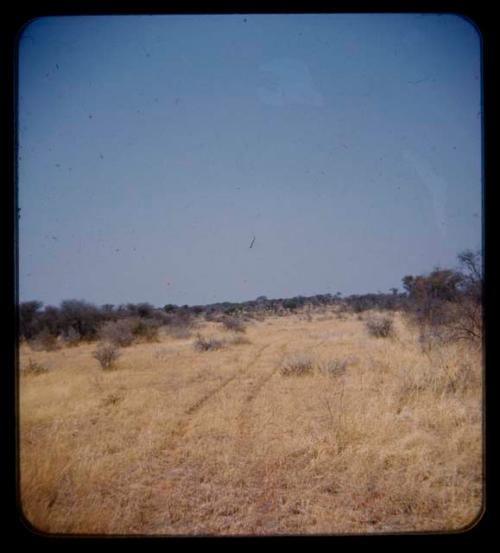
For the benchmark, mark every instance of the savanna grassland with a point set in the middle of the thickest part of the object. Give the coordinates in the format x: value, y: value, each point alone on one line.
x: 373, y: 435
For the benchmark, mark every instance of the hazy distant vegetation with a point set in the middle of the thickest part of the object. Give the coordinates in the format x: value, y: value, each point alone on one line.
x: 444, y: 305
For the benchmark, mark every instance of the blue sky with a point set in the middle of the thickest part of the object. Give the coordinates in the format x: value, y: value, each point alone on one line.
x: 152, y: 149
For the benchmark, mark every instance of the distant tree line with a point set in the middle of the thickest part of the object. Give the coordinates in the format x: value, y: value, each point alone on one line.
x: 74, y: 317
x: 445, y: 302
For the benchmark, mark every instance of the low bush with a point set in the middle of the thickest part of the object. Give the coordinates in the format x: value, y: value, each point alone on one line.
x: 71, y: 337
x: 211, y: 316
x: 162, y: 354
x: 237, y: 340
x: 233, y: 323
x: 118, y: 333
x: 145, y: 329
x: 334, y: 367
x: 430, y: 337
x: 380, y: 327
x: 106, y: 354
x: 44, y: 341
x: 209, y: 343
x: 35, y: 368
x: 180, y: 332
x: 297, y: 365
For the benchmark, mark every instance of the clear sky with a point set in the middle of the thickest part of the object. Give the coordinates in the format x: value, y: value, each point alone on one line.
x: 153, y: 149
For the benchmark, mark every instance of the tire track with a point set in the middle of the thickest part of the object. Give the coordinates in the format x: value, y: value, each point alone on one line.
x: 153, y: 506
x: 244, y: 416
x: 209, y: 395
x: 182, y: 426
x: 255, y: 473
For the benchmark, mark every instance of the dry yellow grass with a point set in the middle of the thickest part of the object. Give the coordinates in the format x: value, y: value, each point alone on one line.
x: 177, y: 441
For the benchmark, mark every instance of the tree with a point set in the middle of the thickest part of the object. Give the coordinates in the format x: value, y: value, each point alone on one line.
x: 408, y: 281
x: 291, y: 304
x: 446, y: 301
x: 145, y: 309
x: 83, y: 316
x: 470, y: 261
x: 472, y: 274
x: 471, y: 319
x: 28, y: 311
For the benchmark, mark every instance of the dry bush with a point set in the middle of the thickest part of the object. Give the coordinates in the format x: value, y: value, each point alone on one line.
x: 180, y: 325
x: 237, y: 341
x: 180, y: 332
x: 212, y: 316
x: 381, y: 327
x: 461, y: 321
x: 44, y: 341
x: 106, y: 354
x: 35, y: 369
x: 71, y: 338
x: 233, y: 323
x: 430, y: 337
x: 455, y: 322
x: 258, y: 316
x: 146, y: 330
x: 448, y: 301
x: 297, y: 365
x: 333, y: 367
x: 209, y: 343
x: 438, y: 377
x: 124, y: 332
x: 162, y: 354
x: 119, y: 333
